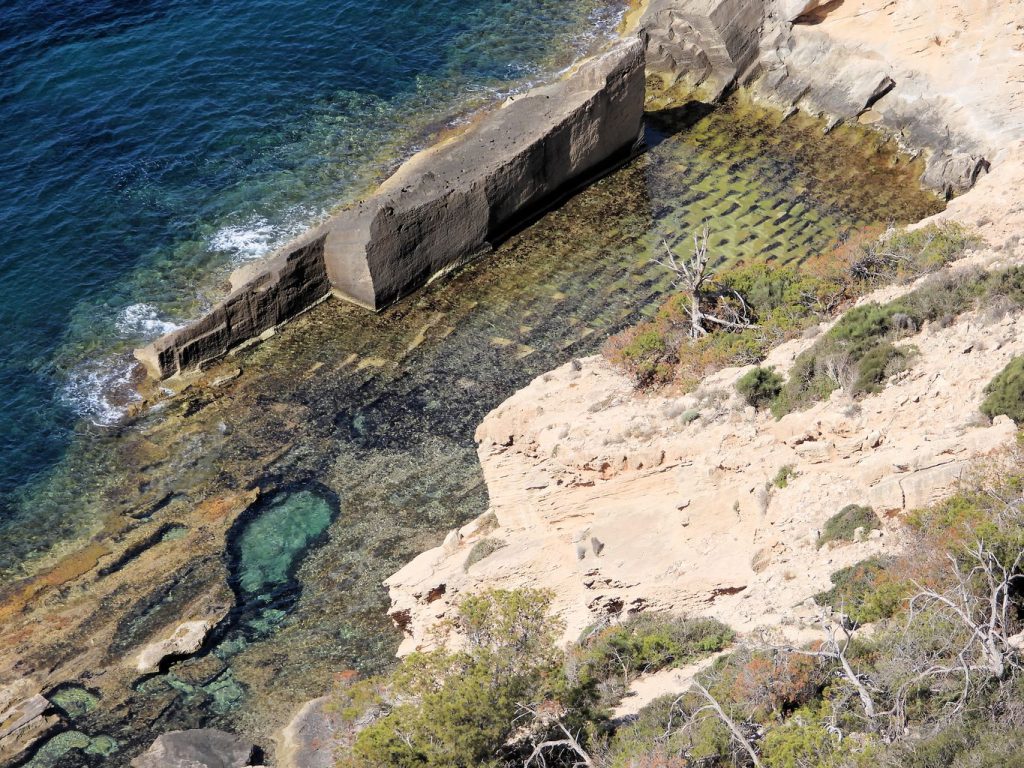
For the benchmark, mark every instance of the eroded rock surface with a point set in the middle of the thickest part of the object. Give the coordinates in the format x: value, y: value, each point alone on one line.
x: 198, y: 748
x: 25, y: 718
x: 185, y: 639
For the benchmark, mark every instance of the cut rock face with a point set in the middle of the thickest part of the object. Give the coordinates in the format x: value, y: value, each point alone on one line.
x: 199, y: 748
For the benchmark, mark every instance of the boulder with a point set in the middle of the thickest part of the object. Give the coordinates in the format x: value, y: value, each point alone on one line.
x: 953, y: 173
x: 708, y: 43
x: 186, y: 639
x: 199, y: 748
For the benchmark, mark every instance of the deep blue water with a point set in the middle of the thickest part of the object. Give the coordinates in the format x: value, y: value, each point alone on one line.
x: 148, y: 146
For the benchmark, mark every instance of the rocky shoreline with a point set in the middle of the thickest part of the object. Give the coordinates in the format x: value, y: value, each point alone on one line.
x: 442, y: 208
x: 230, y: 438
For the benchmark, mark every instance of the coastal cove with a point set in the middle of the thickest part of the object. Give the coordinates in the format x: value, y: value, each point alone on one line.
x: 373, y: 416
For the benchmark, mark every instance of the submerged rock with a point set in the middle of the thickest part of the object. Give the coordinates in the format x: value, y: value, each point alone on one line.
x: 199, y: 748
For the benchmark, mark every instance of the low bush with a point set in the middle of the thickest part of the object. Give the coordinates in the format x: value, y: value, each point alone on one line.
x: 865, y: 592
x: 842, y: 525
x: 457, y: 710
x: 858, y: 352
x: 1004, y: 395
x: 480, y: 550
x: 783, y: 476
x: 905, y: 255
x: 760, y: 386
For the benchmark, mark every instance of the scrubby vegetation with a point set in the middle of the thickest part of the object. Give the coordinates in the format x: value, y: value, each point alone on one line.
x: 480, y: 550
x: 783, y: 476
x: 609, y: 659
x: 760, y: 386
x: 866, y: 592
x: 939, y: 681
x: 1005, y: 393
x: 758, y: 306
x: 860, y: 351
x: 843, y: 525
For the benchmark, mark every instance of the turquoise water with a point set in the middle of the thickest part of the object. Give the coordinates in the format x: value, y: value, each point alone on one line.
x: 149, y: 147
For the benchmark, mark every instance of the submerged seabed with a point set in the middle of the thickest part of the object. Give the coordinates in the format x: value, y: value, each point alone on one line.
x: 364, y: 424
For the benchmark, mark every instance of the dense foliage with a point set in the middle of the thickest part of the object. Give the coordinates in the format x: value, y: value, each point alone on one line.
x: 843, y: 525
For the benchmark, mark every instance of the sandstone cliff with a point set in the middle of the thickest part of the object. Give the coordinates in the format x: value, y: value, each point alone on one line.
x: 621, y: 503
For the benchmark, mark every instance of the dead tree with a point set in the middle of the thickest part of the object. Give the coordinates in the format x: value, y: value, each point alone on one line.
x: 569, y: 742
x: 696, y: 278
x: 980, y: 599
x: 728, y: 722
x: 838, y: 638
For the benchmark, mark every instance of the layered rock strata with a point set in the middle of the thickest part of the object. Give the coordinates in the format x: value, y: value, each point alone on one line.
x: 442, y: 208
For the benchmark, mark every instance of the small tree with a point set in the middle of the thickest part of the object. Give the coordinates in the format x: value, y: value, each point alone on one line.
x: 760, y: 386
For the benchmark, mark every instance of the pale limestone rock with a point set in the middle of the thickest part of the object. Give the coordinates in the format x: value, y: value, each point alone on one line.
x: 24, y: 718
x: 665, y: 498
x: 186, y: 639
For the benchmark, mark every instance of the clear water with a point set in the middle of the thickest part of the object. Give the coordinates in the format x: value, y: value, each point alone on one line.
x: 148, y: 147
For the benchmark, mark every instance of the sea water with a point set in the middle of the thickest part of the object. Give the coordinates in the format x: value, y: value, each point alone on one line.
x: 149, y: 147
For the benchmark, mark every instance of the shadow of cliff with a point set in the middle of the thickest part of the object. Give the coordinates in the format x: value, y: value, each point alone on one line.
x: 663, y: 124
x: 817, y: 15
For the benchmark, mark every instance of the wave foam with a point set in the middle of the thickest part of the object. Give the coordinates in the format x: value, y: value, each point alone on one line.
x: 257, y: 236
x: 143, y: 321
x: 101, y: 391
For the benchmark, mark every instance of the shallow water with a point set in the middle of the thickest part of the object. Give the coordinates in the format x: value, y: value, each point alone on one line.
x: 147, y: 147
x: 377, y: 412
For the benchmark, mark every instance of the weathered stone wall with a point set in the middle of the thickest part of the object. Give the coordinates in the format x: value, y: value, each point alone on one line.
x: 791, y: 62
x: 440, y: 209
x: 708, y: 43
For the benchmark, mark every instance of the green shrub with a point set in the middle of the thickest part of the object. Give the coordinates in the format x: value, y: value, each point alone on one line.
x: 456, y: 710
x: 611, y: 657
x: 865, y: 592
x: 858, y: 350
x: 803, y: 741
x: 877, y: 365
x: 690, y: 416
x: 760, y: 386
x: 783, y: 476
x: 904, y: 254
x: 842, y: 525
x: 1005, y: 393
x: 480, y: 550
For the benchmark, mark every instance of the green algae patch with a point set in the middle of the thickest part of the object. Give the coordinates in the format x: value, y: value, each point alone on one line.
x: 74, y: 700
x: 276, y: 538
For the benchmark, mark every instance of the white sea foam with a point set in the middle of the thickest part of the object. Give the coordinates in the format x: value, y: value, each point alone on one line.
x: 100, y: 391
x: 142, y: 321
x: 257, y: 236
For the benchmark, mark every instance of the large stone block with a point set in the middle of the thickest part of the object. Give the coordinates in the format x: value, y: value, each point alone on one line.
x: 199, y: 748
x: 441, y: 209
